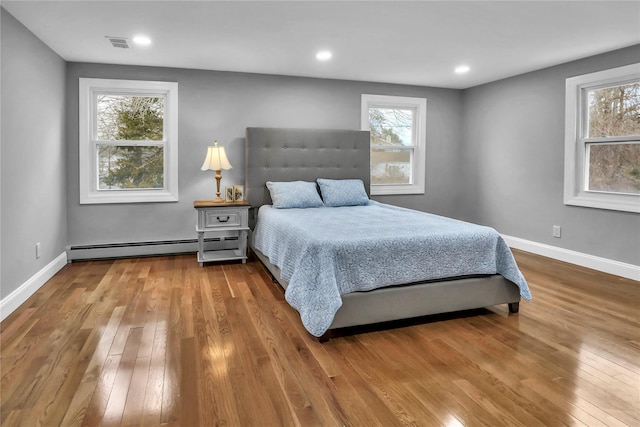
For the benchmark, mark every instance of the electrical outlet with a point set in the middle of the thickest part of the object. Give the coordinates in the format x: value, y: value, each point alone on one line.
x: 38, y: 250
x: 557, y: 232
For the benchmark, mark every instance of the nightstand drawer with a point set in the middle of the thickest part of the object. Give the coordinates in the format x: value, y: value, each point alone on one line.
x: 217, y: 218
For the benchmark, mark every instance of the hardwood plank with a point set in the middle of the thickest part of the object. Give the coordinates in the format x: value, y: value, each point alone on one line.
x: 152, y: 406
x: 84, y: 392
x: 171, y: 383
x: 122, y: 382
x: 63, y: 355
x: 292, y: 398
x: 15, y: 329
x: 189, y: 395
x: 162, y: 341
x: 61, y: 398
x: 216, y: 354
x: 250, y: 374
x: 295, y: 360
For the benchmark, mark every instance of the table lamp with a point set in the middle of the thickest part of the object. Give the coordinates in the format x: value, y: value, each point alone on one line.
x: 216, y: 161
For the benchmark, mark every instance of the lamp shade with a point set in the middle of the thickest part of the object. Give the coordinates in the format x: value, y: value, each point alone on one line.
x: 216, y: 159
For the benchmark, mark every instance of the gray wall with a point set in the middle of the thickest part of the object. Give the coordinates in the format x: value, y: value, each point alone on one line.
x: 221, y: 105
x: 513, y: 157
x: 34, y: 193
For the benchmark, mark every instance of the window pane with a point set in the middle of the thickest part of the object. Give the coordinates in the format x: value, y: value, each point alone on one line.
x: 133, y: 118
x: 391, y: 166
x: 391, y: 126
x: 614, y: 111
x: 614, y: 168
x: 122, y: 167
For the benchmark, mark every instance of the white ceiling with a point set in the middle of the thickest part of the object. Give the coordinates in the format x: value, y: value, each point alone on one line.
x: 416, y: 42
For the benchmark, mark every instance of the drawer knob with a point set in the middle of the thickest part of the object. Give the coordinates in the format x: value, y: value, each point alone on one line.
x: 222, y: 220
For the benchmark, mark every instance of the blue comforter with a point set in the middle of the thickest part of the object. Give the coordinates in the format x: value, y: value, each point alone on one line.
x: 330, y: 251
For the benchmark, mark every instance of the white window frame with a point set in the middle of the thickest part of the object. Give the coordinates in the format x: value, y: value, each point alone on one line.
x: 89, y: 89
x: 575, y: 145
x: 418, y: 158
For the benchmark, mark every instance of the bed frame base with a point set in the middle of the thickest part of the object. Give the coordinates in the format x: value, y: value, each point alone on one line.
x: 415, y: 300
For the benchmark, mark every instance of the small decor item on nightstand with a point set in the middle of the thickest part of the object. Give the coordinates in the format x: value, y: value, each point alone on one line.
x: 238, y: 193
x: 216, y: 161
x: 228, y: 194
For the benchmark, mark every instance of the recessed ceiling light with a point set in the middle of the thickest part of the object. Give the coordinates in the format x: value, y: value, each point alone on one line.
x: 323, y: 55
x: 142, y: 40
x: 461, y: 69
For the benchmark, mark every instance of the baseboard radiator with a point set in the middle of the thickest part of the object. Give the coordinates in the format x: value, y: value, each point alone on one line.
x: 142, y: 249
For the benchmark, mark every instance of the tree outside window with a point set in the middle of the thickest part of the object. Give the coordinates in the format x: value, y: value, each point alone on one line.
x: 614, y: 112
x: 392, y: 145
x: 130, y: 119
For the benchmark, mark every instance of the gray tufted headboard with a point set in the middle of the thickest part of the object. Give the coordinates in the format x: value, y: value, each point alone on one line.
x: 279, y: 154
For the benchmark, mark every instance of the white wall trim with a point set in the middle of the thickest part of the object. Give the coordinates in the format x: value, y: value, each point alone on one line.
x: 12, y: 301
x: 630, y: 271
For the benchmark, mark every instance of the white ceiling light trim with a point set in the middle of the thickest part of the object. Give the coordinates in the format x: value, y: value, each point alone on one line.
x: 141, y: 40
x: 324, y: 55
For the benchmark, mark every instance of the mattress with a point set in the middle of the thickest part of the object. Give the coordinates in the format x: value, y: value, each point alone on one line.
x: 324, y: 253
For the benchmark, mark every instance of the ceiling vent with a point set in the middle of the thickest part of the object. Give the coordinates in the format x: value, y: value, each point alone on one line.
x: 120, y: 42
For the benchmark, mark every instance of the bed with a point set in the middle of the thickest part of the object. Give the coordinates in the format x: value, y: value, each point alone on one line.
x: 277, y: 155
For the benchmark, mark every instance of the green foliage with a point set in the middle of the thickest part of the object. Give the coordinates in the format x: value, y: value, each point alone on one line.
x: 131, y: 119
x: 140, y: 119
x: 135, y: 167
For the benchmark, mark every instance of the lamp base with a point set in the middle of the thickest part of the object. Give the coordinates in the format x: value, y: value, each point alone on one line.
x: 218, y: 199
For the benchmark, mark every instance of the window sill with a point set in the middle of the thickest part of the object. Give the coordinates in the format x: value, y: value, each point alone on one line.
x: 128, y: 197
x: 614, y: 202
x: 395, y: 190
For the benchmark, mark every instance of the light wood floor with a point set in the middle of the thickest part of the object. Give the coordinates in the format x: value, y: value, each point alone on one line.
x: 161, y: 341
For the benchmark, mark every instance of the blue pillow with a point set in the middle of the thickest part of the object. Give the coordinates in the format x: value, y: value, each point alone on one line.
x: 294, y: 194
x: 343, y: 192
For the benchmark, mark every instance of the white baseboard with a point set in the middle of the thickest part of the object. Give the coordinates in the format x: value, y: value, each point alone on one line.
x: 630, y: 271
x: 12, y: 301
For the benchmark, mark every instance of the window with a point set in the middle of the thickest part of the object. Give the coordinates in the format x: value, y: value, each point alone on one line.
x: 128, y: 141
x: 602, y: 140
x: 398, y: 140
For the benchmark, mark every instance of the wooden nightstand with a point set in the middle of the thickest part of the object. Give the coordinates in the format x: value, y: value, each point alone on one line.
x: 223, y: 221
